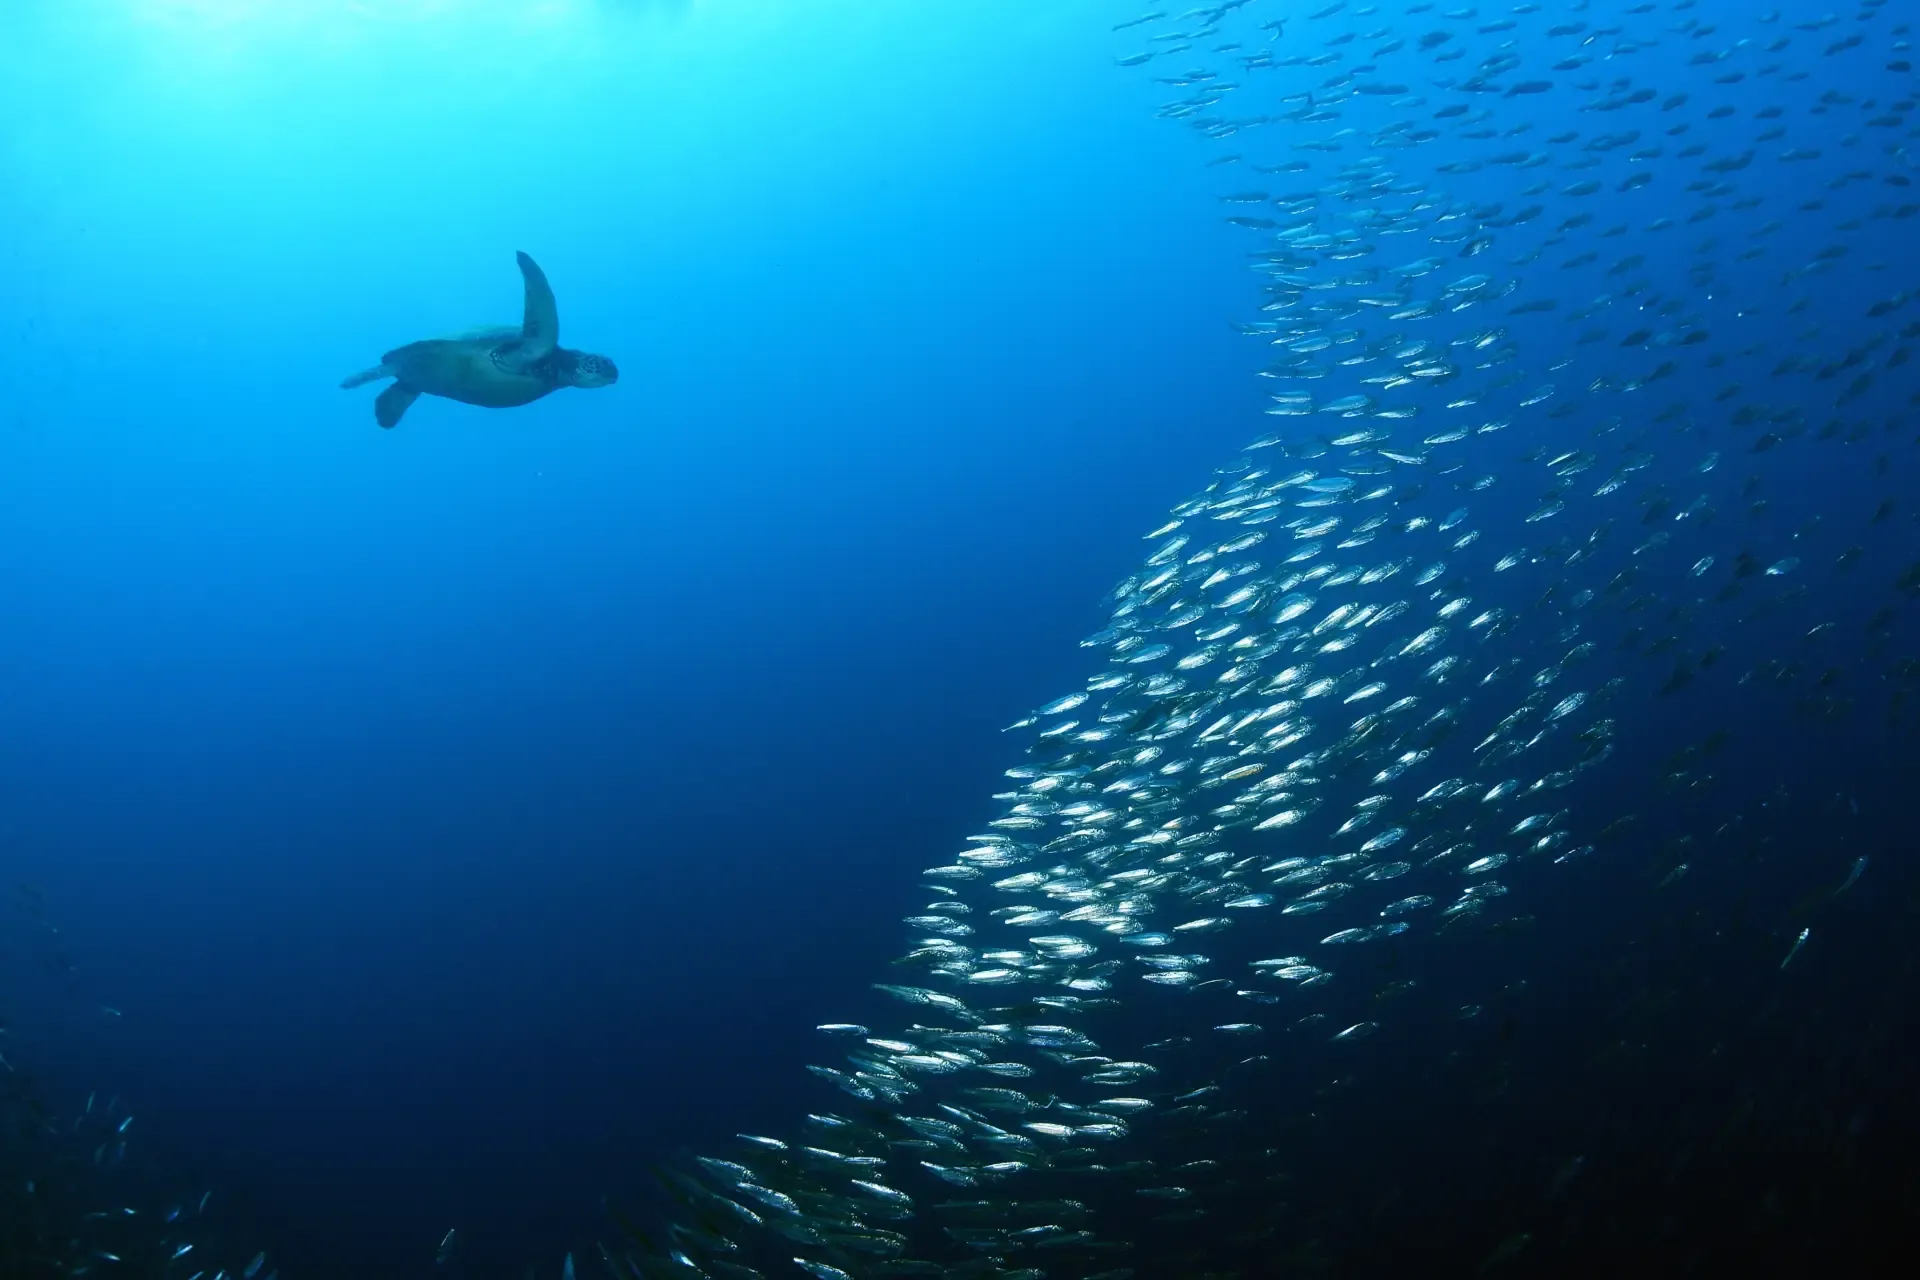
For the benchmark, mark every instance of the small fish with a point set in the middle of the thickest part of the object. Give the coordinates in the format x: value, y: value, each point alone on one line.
x: 1853, y: 875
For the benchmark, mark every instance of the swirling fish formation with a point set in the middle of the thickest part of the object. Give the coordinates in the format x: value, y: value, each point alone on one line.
x: 1600, y: 255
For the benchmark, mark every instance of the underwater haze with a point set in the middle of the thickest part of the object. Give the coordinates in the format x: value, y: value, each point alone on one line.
x: 465, y: 816
x: 1469, y: 832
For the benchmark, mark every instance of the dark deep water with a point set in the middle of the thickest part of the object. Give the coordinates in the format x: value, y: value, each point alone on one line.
x: 457, y: 827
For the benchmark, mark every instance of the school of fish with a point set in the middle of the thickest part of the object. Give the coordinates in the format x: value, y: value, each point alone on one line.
x: 1537, y: 463
x: 1351, y: 692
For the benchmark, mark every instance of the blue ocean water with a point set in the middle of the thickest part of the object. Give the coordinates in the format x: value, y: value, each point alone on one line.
x: 446, y: 827
x: 465, y: 816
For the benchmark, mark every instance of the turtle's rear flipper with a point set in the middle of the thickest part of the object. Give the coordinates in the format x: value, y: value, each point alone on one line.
x: 365, y: 376
x: 393, y: 402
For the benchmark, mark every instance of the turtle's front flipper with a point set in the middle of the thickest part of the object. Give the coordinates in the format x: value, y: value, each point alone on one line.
x: 394, y: 401
x: 540, y: 330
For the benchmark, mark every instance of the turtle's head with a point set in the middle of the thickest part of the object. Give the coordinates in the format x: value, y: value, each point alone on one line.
x: 590, y: 371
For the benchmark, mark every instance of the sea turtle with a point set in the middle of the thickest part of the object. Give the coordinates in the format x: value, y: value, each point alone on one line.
x: 495, y: 368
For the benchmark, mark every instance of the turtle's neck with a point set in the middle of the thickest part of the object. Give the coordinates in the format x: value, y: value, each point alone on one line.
x: 560, y: 365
